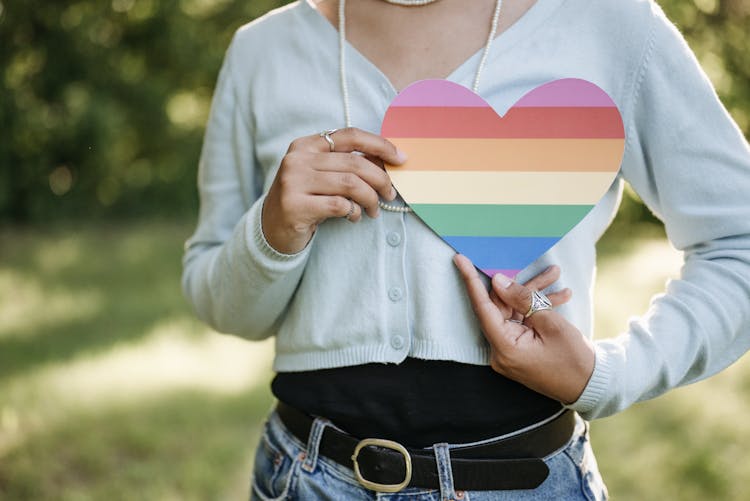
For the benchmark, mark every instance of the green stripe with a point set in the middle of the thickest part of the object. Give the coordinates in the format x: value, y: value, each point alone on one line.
x: 501, y: 220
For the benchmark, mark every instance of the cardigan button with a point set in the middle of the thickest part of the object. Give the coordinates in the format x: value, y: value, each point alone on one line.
x: 393, y: 239
x: 397, y: 342
x: 395, y: 294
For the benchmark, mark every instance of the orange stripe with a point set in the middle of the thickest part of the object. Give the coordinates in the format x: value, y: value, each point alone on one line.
x: 580, y: 155
x: 521, y: 122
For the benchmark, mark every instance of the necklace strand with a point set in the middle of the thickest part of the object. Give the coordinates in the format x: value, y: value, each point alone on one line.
x: 345, y: 86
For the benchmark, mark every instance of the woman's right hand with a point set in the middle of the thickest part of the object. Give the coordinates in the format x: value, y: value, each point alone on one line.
x: 314, y: 183
x: 542, y: 351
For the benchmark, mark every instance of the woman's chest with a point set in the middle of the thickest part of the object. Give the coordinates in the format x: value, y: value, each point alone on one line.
x: 432, y: 41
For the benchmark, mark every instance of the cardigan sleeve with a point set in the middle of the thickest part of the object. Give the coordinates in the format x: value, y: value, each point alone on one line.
x: 690, y: 164
x: 236, y: 282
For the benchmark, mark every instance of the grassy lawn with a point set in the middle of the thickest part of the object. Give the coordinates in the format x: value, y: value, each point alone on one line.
x: 689, y: 444
x: 110, y: 389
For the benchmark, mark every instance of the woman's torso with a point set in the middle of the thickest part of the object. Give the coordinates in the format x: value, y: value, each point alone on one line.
x: 385, y: 290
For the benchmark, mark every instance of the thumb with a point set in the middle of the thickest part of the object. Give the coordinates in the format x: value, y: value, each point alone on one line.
x: 518, y: 297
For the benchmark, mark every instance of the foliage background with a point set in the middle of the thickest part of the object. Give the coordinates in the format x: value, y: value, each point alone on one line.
x: 104, y: 102
x: 111, y: 389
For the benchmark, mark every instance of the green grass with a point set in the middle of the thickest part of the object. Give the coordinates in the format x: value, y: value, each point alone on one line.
x: 70, y: 292
x: 187, y: 445
x: 691, y: 443
x: 110, y: 389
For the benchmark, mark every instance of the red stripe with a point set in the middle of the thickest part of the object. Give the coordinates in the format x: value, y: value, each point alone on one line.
x: 528, y: 122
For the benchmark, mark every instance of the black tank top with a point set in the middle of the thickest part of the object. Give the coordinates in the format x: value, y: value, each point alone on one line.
x: 417, y: 402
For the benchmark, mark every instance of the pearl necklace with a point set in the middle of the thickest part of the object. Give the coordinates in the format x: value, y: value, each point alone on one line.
x: 342, y: 67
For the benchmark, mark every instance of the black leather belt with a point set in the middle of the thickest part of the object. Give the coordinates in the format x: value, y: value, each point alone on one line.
x: 514, y: 462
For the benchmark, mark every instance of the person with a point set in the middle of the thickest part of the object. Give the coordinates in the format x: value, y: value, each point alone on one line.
x: 400, y: 371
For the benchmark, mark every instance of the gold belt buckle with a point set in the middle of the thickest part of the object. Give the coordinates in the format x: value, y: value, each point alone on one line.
x: 388, y: 444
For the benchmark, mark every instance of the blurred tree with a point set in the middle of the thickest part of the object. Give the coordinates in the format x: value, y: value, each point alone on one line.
x: 104, y: 102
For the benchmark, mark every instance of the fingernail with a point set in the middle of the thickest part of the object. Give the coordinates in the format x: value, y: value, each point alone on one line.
x: 457, y: 259
x: 400, y: 156
x: 393, y: 194
x: 502, y: 280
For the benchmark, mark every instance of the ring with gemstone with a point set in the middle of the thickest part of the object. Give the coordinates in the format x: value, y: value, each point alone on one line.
x: 539, y: 302
x: 326, y: 134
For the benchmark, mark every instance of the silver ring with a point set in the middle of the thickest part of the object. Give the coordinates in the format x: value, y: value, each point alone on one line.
x: 514, y: 321
x: 539, y: 302
x: 351, y: 210
x: 326, y: 134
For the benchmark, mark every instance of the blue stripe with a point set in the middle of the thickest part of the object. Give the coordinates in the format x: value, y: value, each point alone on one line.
x: 509, y: 253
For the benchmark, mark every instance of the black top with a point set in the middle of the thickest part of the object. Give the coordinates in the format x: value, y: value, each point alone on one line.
x: 417, y: 402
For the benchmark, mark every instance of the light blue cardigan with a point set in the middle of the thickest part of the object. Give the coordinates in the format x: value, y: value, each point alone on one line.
x: 385, y: 288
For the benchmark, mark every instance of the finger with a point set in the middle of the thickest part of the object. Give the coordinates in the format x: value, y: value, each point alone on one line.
x: 377, y: 161
x: 545, y: 278
x: 353, y: 139
x: 324, y: 207
x: 505, y: 310
x: 518, y: 297
x: 560, y: 297
x: 516, y: 316
x: 347, y: 185
x: 354, y: 214
x: 369, y: 172
x: 478, y: 294
x: 490, y: 317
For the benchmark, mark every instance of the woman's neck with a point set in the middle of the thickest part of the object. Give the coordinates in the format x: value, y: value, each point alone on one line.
x: 429, y: 41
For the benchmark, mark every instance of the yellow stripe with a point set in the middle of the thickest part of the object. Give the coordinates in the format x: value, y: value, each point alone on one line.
x: 518, y: 188
x: 578, y: 155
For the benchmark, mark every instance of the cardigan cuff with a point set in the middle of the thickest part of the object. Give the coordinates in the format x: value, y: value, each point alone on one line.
x: 596, y: 388
x: 266, y: 256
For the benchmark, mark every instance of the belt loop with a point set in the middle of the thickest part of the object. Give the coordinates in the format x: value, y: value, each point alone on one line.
x: 445, y: 474
x: 313, y: 443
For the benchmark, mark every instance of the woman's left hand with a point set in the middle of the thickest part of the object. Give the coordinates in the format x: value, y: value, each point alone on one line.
x: 545, y: 353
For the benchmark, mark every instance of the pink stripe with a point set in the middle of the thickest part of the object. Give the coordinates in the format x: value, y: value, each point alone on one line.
x: 566, y: 92
x: 508, y: 273
x: 442, y: 93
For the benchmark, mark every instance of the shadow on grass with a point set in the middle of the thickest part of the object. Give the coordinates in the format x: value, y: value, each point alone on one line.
x: 134, y: 273
x: 187, y: 445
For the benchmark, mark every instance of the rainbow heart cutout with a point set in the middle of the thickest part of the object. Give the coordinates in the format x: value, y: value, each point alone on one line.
x: 502, y: 190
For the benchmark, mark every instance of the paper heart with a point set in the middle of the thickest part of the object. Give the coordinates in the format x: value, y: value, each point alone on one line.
x: 503, y: 190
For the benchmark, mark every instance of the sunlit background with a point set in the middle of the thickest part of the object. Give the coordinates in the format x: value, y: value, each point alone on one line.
x: 110, y: 389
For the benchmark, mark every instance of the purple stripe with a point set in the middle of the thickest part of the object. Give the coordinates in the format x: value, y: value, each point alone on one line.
x: 439, y: 93
x: 508, y: 273
x: 566, y: 92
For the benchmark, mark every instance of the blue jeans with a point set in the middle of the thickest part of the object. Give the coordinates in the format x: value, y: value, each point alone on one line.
x: 285, y: 468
